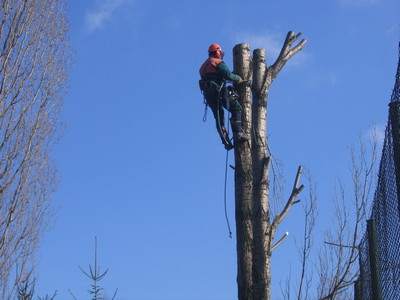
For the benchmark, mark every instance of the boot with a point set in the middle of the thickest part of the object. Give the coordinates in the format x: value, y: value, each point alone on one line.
x: 229, y: 146
x: 225, y: 139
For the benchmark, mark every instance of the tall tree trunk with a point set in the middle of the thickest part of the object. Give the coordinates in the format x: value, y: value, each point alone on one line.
x: 260, y: 157
x: 244, y: 179
x: 254, y: 231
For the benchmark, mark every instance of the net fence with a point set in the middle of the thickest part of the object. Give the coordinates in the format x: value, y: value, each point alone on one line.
x: 386, y: 216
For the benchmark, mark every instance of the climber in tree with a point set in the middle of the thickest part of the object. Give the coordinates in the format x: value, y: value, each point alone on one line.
x: 214, y: 74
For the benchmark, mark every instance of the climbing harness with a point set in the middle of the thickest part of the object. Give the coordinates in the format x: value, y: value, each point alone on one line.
x: 204, y: 85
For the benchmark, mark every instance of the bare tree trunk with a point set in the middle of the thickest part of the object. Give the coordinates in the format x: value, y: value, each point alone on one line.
x: 254, y: 231
x: 244, y: 179
x: 261, y: 159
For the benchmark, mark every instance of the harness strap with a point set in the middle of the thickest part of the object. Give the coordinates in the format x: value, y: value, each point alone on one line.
x: 205, y: 110
x: 206, y: 84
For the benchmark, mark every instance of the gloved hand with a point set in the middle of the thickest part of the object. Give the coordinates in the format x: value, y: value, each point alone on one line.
x: 245, y: 83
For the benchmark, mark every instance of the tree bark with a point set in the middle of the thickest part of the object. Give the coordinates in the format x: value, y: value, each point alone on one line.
x: 244, y: 179
x: 254, y: 231
x: 260, y: 158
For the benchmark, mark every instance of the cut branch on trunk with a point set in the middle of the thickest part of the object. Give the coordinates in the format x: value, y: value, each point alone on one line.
x: 296, y: 190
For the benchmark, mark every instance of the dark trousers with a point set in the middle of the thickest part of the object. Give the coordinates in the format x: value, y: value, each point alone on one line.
x: 217, y: 103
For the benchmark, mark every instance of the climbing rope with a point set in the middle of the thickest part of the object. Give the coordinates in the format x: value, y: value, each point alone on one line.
x: 225, y: 204
x: 225, y: 185
x: 205, y: 110
x: 228, y: 224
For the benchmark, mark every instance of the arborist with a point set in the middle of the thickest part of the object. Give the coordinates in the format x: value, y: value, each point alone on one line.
x: 214, y: 75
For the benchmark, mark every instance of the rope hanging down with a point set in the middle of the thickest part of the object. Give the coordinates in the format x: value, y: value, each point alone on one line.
x: 226, y: 160
x: 225, y: 185
x: 205, y: 111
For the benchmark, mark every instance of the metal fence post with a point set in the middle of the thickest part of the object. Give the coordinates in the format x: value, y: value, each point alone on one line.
x: 373, y: 259
x: 358, y: 289
x: 394, y: 116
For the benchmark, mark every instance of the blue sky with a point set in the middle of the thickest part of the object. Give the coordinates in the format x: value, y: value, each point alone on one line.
x: 140, y: 170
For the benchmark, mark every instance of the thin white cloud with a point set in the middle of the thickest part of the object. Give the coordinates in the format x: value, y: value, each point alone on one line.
x: 102, y: 13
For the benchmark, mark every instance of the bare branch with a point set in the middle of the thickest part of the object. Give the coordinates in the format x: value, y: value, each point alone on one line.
x: 293, y: 197
x: 72, y: 295
x: 115, y: 294
x: 339, y: 245
x: 287, y: 52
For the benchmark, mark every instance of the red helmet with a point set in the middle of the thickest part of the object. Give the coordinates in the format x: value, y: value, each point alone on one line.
x: 215, y: 50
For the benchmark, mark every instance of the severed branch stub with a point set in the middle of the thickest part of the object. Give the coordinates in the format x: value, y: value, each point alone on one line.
x: 267, y: 161
x: 280, y: 241
x: 292, y: 200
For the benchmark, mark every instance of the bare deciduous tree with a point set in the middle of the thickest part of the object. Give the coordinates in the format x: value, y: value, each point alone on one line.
x: 33, y: 62
x: 339, y: 258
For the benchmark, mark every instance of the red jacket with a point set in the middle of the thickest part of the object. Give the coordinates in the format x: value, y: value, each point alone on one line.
x: 210, y: 66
